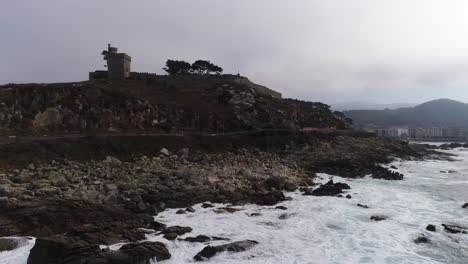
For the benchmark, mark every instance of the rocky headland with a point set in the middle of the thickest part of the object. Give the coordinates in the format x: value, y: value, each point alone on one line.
x: 90, y: 164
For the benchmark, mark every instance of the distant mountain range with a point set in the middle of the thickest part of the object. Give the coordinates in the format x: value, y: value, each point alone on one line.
x: 345, y: 106
x: 436, y: 113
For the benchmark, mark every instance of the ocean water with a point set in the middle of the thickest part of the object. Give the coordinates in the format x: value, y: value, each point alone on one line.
x: 335, y: 230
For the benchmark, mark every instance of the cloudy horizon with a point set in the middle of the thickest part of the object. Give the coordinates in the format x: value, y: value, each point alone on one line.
x: 332, y: 51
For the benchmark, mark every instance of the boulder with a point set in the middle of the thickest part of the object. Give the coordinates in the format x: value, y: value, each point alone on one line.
x: 454, y: 229
x: 378, y: 218
x: 465, y: 205
x: 207, y: 205
x: 199, y: 238
x: 269, y: 198
x: 165, y: 152
x: 280, y: 207
x: 157, y: 226
x: 363, y: 206
x: 179, y: 230
x: 66, y: 251
x: 7, y: 244
x: 170, y: 236
x: 421, y: 239
x: 210, y: 251
x: 431, y: 228
x: 328, y: 189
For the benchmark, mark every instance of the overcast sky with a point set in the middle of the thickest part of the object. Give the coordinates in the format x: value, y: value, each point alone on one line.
x: 383, y: 51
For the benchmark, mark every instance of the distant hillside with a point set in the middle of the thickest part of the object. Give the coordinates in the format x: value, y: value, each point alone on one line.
x: 436, y: 113
x: 345, y: 106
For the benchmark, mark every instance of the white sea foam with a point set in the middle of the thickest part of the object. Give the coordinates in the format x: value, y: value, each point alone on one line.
x: 335, y: 230
x: 20, y: 254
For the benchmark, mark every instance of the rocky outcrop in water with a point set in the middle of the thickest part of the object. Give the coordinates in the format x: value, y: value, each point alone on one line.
x: 61, y: 251
x: 328, y: 189
x: 210, y: 251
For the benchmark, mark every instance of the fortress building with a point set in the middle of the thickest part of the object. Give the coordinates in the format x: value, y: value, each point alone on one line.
x: 118, y: 65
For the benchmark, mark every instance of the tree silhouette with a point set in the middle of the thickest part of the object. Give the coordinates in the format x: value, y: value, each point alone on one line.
x: 174, y: 67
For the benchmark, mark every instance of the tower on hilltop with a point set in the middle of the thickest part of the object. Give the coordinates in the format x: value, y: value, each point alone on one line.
x: 118, y: 65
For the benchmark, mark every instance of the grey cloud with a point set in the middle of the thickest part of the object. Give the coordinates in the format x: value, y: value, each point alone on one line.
x: 366, y: 50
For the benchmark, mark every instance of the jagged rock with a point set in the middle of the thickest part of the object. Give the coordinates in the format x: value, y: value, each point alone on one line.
x: 7, y: 244
x: 431, y: 228
x: 165, y: 152
x: 328, y: 189
x: 143, y: 252
x: 269, y: 198
x: 226, y: 210
x: 210, y: 251
x: 454, y: 229
x: 285, y: 216
x: 63, y: 251
x: 112, y: 160
x: 179, y: 230
x: 421, y: 239
x: 465, y: 205
x: 157, y: 226
x: 378, y: 218
x: 363, y: 206
x: 199, y: 238
x: 170, y: 236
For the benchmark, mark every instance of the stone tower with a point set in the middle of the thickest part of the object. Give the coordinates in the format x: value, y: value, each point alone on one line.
x: 118, y: 64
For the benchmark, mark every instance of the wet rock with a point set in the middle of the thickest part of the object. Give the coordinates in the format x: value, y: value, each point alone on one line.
x: 179, y: 230
x: 348, y: 196
x: 363, y: 206
x: 378, y: 218
x: 465, y: 205
x: 157, y: 226
x: 280, y: 207
x: 255, y: 214
x: 181, y: 211
x: 210, y: 251
x: 170, y: 236
x: 431, y: 228
x: 284, y: 216
x: 144, y: 252
x: 454, y: 229
x: 328, y: 189
x: 207, y: 205
x: 275, y: 182
x: 270, y: 198
x: 421, y: 239
x: 65, y: 251
x: 226, y: 210
x: 7, y: 244
x: 190, y: 210
x: 199, y: 239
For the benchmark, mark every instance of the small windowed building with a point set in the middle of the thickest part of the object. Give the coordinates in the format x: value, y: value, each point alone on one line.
x: 118, y: 65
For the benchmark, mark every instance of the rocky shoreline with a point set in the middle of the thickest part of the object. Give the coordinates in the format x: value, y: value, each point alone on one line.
x: 80, y: 204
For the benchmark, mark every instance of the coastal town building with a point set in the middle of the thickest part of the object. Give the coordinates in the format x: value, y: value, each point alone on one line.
x: 423, y: 133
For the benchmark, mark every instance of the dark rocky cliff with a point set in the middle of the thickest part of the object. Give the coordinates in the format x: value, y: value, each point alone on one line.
x: 138, y: 106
